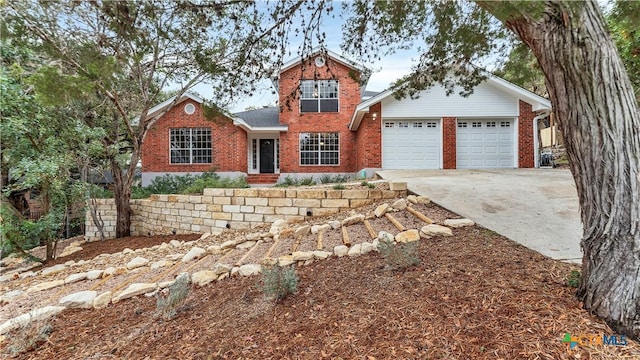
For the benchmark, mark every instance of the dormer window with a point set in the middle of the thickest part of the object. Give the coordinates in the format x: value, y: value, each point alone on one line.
x: 319, y: 96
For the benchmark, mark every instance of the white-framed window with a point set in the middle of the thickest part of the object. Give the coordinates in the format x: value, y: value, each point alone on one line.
x: 462, y: 124
x: 476, y: 124
x: 254, y: 154
x: 320, y: 148
x: 505, y: 123
x: 190, y: 146
x: 432, y: 124
x: 403, y: 124
x: 417, y: 124
x: 389, y: 124
x: 491, y: 124
x: 319, y: 96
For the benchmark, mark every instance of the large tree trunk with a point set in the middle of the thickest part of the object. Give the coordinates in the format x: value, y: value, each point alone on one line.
x: 122, y: 195
x: 598, y: 115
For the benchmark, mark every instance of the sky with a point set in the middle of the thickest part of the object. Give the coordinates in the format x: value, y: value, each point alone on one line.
x: 384, y: 72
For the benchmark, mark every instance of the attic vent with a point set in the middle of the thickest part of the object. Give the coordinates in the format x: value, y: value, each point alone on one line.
x: 189, y: 109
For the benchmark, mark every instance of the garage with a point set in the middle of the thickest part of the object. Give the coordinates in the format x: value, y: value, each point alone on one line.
x: 411, y: 144
x: 485, y: 144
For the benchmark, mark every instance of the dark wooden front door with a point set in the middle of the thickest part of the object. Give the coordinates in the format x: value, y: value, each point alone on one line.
x: 266, y: 156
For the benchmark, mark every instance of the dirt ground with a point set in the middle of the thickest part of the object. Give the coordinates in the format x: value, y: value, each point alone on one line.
x: 475, y: 295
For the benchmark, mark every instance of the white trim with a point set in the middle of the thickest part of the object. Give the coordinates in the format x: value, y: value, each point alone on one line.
x: 163, y: 105
x: 276, y: 150
x: 319, y: 152
x: 248, y: 128
x: 516, y: 138
x: 333, y: 55
x: 536, y: 143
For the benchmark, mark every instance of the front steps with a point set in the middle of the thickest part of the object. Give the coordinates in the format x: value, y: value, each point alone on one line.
x: 254, y: 179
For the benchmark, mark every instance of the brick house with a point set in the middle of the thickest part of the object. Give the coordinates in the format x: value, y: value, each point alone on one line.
x: 327, y: 123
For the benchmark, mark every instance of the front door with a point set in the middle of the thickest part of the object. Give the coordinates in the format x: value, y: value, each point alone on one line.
x: 266, y: 156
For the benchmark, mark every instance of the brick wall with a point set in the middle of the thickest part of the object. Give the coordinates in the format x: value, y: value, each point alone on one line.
x: 369, y: 140
x: 349, y: 97
x: 449, y: 129
x: 229, y: 142
x: 218, y: 209
x: 526, y: 149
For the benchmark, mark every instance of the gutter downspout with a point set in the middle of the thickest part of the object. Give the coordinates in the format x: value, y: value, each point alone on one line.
x: 536, y: 142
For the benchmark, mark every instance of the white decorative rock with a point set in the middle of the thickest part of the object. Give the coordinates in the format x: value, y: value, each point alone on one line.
x: 127, y: 251
x: 408, y: 236
x: 134, y: 290
x: 286, y: 260
x: 202, y: 278
x: 381, y: 209
x: 352, y: 220
x: 385, y: 236
x: 160, y: 264
x: 435, y: 230
x: 193, y: 254
x: 321, y: 255
x: 102, y: 300
x: 302, y: 231
x: 32, y: 316
x: 423, y: 200
x: 82, y: 299
x: 175, y: 243
x: 70, y: 250
x: 250, y: 269
x: 456, y: 223
x: 137, y: 262
x: 412, y: 199
x: 52, y: 270
x: 302, y: 256
x: 109, y: 271
x: 214, y: 249
x: 355, y: 250
x: 46, y: 285
x: 278, y: 226
x: 367, y: 247
x: 397, y: 186
x: 94, y: 274
x: 399, y: 204
x: 75, y: 278
x: 220, y: 269
x: 163, y: 246
x: 335, y: 224
x: 317, y: 228
x: 340, y: 250
x: 26, y: 274
x: 247, y: 244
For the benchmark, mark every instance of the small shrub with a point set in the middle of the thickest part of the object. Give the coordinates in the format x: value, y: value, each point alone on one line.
x: 573, y: 279
x: 278, y: 282
x: 167, y: 305
x: 399, y: 256
x: 288, y: 181
x: 338, y: 187
x: 364, y: 183
x: 371, y: 186
x: 308, y: 181
x: 326, y: 179
x: 29, y: 337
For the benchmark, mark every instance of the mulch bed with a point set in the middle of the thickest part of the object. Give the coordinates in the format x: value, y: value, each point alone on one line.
x: 476, y: 295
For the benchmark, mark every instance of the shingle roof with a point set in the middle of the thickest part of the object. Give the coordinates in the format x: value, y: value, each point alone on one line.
x: 263, y: 117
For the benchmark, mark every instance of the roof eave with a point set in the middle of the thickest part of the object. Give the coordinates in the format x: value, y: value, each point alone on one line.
x: 253, y: 129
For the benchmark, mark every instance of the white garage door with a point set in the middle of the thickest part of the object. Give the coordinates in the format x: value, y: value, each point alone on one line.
x: 484, y: 144
x: 411, y: 144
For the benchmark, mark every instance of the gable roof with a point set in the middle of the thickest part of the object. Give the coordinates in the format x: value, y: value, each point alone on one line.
x: 154, y: 111
x: 538, y: 103
x: 333, y: 55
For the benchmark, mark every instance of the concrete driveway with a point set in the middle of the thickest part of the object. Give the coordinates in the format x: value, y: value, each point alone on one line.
x: 537, y: 208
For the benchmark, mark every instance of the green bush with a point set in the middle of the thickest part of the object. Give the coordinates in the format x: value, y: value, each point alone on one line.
x: 308, y: 181
x: 338, y: 187
x: 399, y: 256
x: 167, y: 305
x: 573, y: 279
x: 186, y: 184
x: 290, y: 181
x: 278, y: 282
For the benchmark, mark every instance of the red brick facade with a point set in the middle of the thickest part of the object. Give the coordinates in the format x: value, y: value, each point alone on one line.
x: 299, y: 122
x: 449, y: 129
x: 229, y: 142
x: 369, y: 140
x: 526, y: 150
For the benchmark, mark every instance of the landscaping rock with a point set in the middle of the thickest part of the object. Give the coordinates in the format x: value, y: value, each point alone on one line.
x: 137, y: 262
x: 134, y: 290
x: 399, y: 204
x: 160, y: 264
x: 75, y: 278
x: 82, y: 299
x: 456, y: 223
x: 175, y: 243
x: 340, y: 250
x: 317, y: 228
x: 102, y: 300
x: 286, y: 260
x: 352, y: 220
x: 94, y: 274
x: 408, y: 236
x: 412, y: 199
x: 435, y: 230
x: 302, y: 231
x: 423, y: 200
x: 220, y: 269
x: 109, y: 271
x: 45, y: 285
x: 302, y: 256
x: 335, y: 224
x: 193, y: 254
x: 32, y: 316
x: 278, y: 226
x: 321, y: 255
x: 70, y: 250
x: 354, y: 250
x: 397, y: 186
x: 246, y: 245
x: 26, y: 274
x: 385, y: 236
x: 214, y: 249
x: 52, y: 270
x: 250, y: 269
x: 381, y: 210
x: 127, y: 251
x: 202, y: 278
x: 367, y: 247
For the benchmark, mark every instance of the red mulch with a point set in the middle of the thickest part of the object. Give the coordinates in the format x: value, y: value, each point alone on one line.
x: 476, y: 295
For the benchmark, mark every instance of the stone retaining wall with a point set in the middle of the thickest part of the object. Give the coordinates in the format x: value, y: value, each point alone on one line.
x: 219, y: 209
